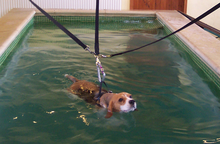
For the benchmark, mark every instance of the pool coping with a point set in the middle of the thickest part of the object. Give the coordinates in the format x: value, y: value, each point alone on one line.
x: 201, y: 42
x: 12, y: 26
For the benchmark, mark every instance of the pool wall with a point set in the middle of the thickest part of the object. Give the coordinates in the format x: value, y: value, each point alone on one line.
x: 199, y: 62
x: 13, y: 26
x: 201, y: 45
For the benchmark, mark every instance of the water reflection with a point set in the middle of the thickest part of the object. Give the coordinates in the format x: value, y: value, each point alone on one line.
x: 217, y: 140
x: 119, y: 121
x: 175, y: 104
x: 84, y: 119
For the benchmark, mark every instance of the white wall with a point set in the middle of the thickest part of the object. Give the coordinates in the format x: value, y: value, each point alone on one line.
x: 198, y: 7
x: 194, y: 7
x: 125, y: 4
x: 7, y: 5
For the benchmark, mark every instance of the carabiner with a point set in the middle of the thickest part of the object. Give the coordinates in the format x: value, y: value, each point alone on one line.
x: 88, y: 49
x: 100, y: 69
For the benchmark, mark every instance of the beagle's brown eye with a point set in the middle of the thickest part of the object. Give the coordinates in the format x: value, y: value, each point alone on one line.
x: 120, y: 100
x: 130, y: 96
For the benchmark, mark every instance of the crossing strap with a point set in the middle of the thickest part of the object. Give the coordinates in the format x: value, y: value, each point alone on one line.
x: 97, y: 28
x: 187, y: 25
x: 60, y: 26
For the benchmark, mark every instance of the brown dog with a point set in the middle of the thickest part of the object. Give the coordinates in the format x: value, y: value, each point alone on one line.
x: 121, y: 102
x: 114, y: 102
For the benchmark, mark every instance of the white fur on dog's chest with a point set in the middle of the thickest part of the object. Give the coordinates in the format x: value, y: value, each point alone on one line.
x: 103, y: 105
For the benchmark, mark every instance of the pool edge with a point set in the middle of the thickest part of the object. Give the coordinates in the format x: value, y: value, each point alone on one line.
x: 166, y: 17
x: 204, y: 45
x: 13, y: 30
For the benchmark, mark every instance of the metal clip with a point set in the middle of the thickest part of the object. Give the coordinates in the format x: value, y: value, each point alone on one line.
x: 88, y: 49
x: 98, y: 64
x: 100, y: 69
x: 102, y: 56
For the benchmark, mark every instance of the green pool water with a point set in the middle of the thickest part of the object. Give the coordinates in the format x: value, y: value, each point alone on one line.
x: 177, y: 102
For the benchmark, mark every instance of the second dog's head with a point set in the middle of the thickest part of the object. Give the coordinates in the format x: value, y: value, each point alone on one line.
x: 118, y: 102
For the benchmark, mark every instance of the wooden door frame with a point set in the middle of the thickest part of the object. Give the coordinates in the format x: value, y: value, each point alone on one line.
x: 185, y: 6
x: 132, y: 3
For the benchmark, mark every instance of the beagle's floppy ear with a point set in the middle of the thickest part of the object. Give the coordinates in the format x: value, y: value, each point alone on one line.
x: 110, y: 109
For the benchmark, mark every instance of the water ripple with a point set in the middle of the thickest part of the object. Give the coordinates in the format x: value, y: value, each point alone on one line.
x: 174, y: 101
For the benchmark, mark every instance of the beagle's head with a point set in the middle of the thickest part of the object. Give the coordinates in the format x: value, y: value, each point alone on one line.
x: 124, y: 102
x: 121, y: 102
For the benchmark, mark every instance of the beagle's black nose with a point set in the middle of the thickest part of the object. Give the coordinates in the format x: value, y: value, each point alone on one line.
x: 131, y: 102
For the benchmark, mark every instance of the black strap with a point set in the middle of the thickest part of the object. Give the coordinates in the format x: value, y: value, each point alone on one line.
x: 203, y: 25
x: 60, y: 26
x: 97, y: 28
x: 109, y: 91
x: 190, y: 23
x: 100, y: 90
x: 97, y: 41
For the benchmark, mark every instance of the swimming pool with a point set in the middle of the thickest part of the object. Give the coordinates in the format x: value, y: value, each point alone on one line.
x: 177, y: 102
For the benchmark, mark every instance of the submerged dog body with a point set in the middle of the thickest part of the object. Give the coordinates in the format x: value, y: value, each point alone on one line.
x: 88, y: 91
x: 114, y: 102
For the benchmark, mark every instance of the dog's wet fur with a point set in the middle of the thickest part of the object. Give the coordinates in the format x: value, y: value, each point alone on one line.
x: 114, y: 102
x: 88, y: 91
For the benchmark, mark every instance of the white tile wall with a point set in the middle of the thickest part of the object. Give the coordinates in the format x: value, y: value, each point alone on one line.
x: 7, y: 5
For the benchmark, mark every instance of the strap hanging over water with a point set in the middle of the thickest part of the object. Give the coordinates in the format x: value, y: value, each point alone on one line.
x: 97, y: 28
x: 60, y: 26
x: 98, y: 63
x: 187, y: 25
x: 96, y: 53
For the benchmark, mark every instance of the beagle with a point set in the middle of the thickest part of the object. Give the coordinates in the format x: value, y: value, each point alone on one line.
x: 118, y: 102
x: 114, y: 102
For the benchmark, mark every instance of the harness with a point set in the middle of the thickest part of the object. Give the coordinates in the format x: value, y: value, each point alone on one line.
x: 97, y: 55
